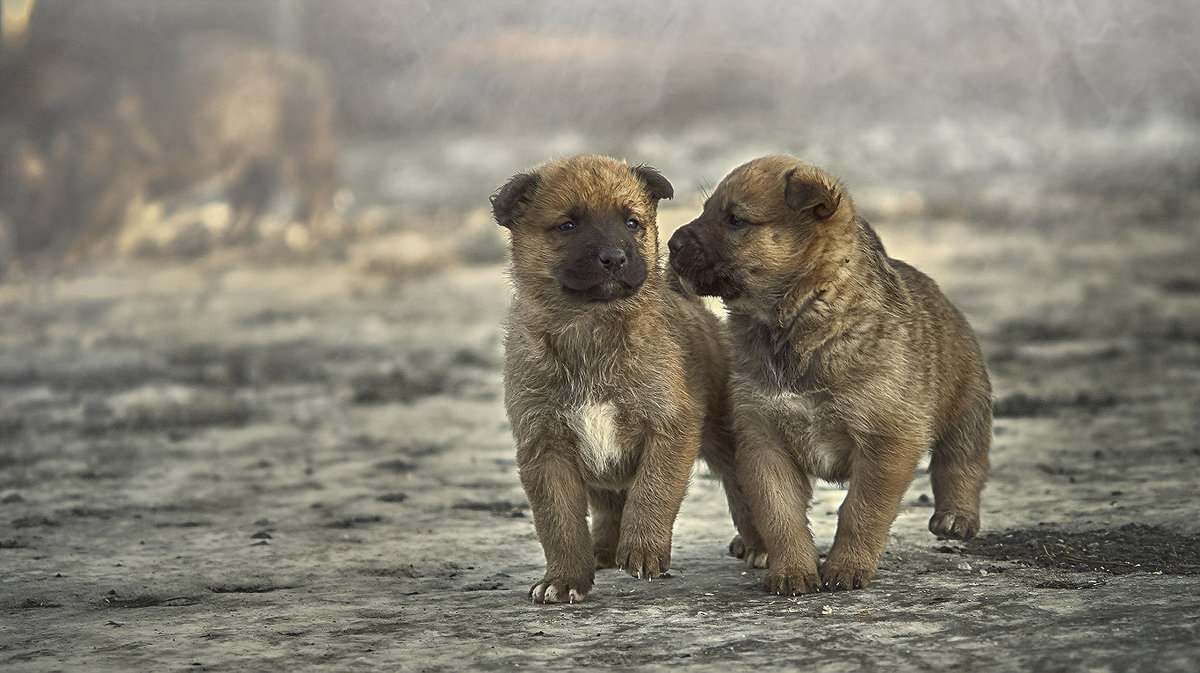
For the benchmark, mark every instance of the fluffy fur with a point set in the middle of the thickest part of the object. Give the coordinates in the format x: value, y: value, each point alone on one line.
x: 613, y: 382
x: 848, y: 366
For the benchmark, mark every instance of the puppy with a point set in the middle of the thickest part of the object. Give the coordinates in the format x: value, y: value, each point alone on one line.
x: 848, y: 366
x: 612, y: 381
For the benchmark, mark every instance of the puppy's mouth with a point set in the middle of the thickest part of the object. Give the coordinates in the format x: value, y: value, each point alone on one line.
x: 686, y: 282
x: 602, y: 276
x: 608, y: 289
x: 707, y: 281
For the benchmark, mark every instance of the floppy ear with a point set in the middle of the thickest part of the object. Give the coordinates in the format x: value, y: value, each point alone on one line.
x: 802, y: 193
x: 657, y: 187
x: 509, y: 200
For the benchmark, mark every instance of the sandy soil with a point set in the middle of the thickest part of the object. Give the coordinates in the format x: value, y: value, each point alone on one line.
x: 239, y: 463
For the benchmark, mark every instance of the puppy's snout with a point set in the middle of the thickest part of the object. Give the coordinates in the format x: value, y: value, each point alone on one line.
x: 676, y: 242
x: 612, y: 258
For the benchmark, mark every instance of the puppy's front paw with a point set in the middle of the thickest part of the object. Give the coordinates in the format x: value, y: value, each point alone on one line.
x: 792, y: 581
x: 560, y: 590
x: 841, y: 576
x: 606, y: 557
x: 644, y: 562
x: 754, y: 553
x: 954, y: 524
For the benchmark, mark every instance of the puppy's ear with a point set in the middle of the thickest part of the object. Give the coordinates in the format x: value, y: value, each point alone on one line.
x: 657, y: 187
x: 805, y: 192
x: 513, y: 197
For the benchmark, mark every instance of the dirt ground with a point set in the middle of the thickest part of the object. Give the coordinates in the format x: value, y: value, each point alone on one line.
x: 247, y: 462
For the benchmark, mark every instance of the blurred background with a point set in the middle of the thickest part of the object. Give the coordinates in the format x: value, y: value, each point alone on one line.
x: 251, y: 307
x: 167, y: 128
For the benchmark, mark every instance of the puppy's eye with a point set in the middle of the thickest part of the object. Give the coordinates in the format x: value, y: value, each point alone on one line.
x: 633, y: 224
x: 565, y: 227
x: 736, y: 222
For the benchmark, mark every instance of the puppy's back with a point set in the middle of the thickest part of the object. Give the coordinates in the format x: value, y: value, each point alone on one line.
x: 947, y: 344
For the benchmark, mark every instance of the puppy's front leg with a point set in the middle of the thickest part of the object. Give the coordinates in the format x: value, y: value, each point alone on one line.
x: 558, y: 499
x: 652, y: 503
x: 876, y: 488
x: 778, y: 494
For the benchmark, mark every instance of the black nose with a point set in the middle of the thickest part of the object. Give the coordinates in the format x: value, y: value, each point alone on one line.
x: 676, y: 241
x: 612, y: 258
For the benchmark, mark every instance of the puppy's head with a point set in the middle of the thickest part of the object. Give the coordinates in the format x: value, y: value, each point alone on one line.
x: 772, y: 224
x: 583, y: 229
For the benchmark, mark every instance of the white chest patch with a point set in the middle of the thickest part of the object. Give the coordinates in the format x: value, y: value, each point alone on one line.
x: 596, y: 425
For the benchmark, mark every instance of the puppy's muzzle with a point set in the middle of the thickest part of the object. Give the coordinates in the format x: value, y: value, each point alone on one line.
x: 612, y: 259
x: 702, y: 268
x: 678, y: 239
x: 687, y: 254
x: 602, y: 273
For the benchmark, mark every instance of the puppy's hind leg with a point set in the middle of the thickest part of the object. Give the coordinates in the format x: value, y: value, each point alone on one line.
x: 606, y: 524
x: 718, y: 451
x: 958, y: 469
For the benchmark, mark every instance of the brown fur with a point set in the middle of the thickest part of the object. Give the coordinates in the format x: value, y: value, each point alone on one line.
x: 640, y: 361
x: 848, y: 366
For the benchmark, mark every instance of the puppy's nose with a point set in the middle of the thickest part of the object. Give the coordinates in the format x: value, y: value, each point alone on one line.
x: 676, y: 242
x: 612, y: 258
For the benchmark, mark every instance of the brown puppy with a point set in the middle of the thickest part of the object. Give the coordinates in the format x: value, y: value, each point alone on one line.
x: 848, y: 366
x: 612, y: 381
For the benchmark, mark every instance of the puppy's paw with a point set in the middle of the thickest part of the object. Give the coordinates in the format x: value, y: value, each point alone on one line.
x: 560, y: 590
x: 754, y: 554
x: 644, y: 562
x: 737, y: 547
x: 605, y: 557
x: 758, y: 559
x: 841, y: 576
x: 792, y: 581
x: 954, y: 524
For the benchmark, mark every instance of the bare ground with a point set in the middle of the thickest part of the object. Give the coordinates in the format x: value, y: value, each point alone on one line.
x: 246, y: 464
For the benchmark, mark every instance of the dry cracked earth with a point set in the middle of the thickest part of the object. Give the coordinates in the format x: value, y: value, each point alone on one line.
x: 247, y: 463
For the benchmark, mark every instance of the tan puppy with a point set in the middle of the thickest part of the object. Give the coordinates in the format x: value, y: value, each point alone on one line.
x: 612, y: 381
x: 848, y: 366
